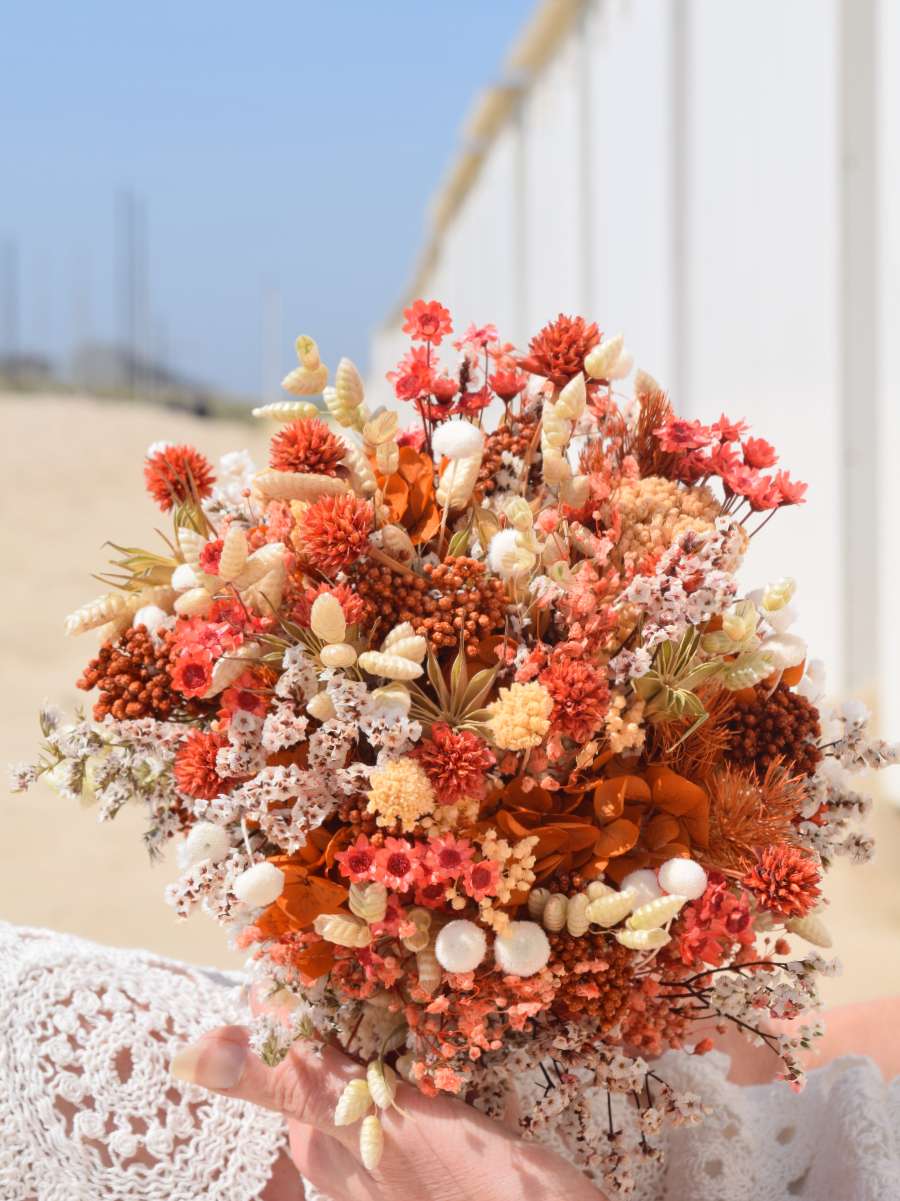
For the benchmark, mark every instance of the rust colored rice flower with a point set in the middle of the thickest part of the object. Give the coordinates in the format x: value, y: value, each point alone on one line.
x: 558, y: 351
x: 580, y: 695
x: 334, y: 532
x: 456, y: 763
x: 195, y: 766
x: 306, y: 446
x: 175, y: 474
x: 785, y: 881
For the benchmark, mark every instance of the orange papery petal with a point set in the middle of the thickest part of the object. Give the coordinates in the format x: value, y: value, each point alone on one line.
x: 673, y: 793
x: 617, y: 838
x: 660, y: 831
x: 610, y: 795
x: 305, y: 899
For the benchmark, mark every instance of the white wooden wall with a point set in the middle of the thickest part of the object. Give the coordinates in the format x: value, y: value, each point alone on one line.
x: 720, y: 179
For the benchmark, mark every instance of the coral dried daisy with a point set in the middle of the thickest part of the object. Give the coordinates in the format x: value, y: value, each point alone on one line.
x: 456, y: 763
x: 195, y: 766
x: 192, y: 672
x: 427, y: 321
x: 580, y: 695
x: 306, y: 446
x: 334, y: 532
x: 558, y: 351
x: 175, y: 474
x: 785, y: 880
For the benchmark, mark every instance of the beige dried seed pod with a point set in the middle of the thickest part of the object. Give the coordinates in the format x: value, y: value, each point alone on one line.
x: 265, y: 595
x: 392, y: 667
x: 228, y: 668
x: 338, y: 654
x: 576, y: 915
x: 381, y: 428
x: 418, y: 941
x: 368, y: 901
x: 293, y: 485
x: 597, y: 888
x: 348, y: 384
x: 537, y: 901
x: 811, y: 929
x: 554, y: 916
x: 342, y: 930
x: 321, y: 707
x: 387, y: 457
x: 643, y: 940
x: 371, y: 1142
x: 160, y: 595
x: 457, y: 482
x: 193, y: 603
x: 260, y: 563
x: 403, y: 630
x: 393, y: 696
x: 398, y: 543
x: 428, y: 968
x: 382, y: 1082
x: 413, y: 648
x: 607, y: 910
x: 190, y: 544
x: 327, y: 619
x: 656, y: 913
x: 95, y: 613
x: 234, y: 554
x: 288, y: 410
x: 362, y: 477
x: 305, y: 381
x: 353, y: 1103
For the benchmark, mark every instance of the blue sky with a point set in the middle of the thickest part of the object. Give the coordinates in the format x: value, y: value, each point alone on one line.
x: 287, y: 147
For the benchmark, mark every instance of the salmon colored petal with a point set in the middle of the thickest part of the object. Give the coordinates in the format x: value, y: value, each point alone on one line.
x: 306, y: 899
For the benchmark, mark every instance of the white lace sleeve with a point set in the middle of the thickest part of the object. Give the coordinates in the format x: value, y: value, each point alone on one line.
x: 88, y: 1110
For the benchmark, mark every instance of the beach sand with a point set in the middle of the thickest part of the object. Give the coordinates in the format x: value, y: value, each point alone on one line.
x: 70, y: 479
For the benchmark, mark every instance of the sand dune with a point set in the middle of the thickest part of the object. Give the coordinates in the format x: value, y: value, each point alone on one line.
x: 70, y: 478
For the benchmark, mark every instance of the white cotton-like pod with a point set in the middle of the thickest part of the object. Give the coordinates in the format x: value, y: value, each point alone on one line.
x: 342, y: 930
x: 555, y: 910
x: 338, y: 654
x: 391, y: 667
x: 353, y: 1103
x: 537, y: 902
x: 193, y: 603
x: 294, y: 485
x: 382, y: 1082
x: 428, y: 968
x: 348, y: 384
x: 600, y: 361
x: 393, y: 698
x: 610, y: 909
x: 811, y: 929
x: 577, y: 920
x: 684, y: 878
x: 234, y: 553
x: 205, y: 840
x: 327, y: 619
x: 229, y: 667
x: 457, y: 482
x: 460, y: 946
x: 151, y: 617
x: 508, y: 557
x: 414, y: 648
x: 371, y: 1142
x: 287, y: 410
x: 362, y: 477
x: 645, y: 886
x: 656, y: 913
x: 643, y: 940
x: 259, y: 885
x: 572, y: 399
x: 185, y: 577
x: 368, y: 901
x: 321, y: 707
x: 457, y: 440
x: 522, y: 949
x: 95, y: 613
x: 190, y: 544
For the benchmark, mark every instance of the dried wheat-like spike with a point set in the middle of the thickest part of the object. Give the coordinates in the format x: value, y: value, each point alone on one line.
x: 428, y: 968
x: 413, y: 648
x: 643, y: 940
x: 193, y: 603
x: 228, y: 668
x: 95, y: 613
x: 327, y: 619
x: 597, y: 888
x: 368, y: 901
x: 190, y: 544
x: 371, y: 1142
x: 398, y: 543
x: 305, y: 381
x: 576, y: 915
x: 362, y: 477
x: 382, y: 1081
x: 811, y: 929
x: 382, y: 428
x: 349, y: 385
x: 458, y: 481
x: 234, y: 554
x: 607, y: 910
x: 656, y: 913
x: 393, y: 696
x: 260, y: 563
x: 387, y: 457
x: 342, y: 930
x: 537, y: 902
x: 404, y: 630
x: 288, y: 410
x: 338, y: 654
x: 354, y: 1102
x: 294, y: 485
x: 392, y: 667
x: 265, y: 595
x: 554, y: 916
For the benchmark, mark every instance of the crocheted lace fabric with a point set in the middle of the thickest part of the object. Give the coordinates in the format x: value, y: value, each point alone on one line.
x: 88, y: 1111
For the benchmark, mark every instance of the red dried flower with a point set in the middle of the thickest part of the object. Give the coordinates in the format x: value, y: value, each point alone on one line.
x: 192, y: 672
x: 759, y: 453
x: 792, y: 491
x: 175, y: 474
x: 785, y: 880
x: 580, y: 694
x: 307, y: 446
x: 413, y: 375
x: 427, y: 321
x: 482, y: 879
x: 558, y: 351
x: 211, y: 556
x: 334, y: 532
x: 195, y: 766
x: 508, y: 384
x: 455, y: 762
x: 680, y: 434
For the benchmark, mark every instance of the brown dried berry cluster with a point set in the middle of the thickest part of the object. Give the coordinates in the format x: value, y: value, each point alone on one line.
x: 133, y: 677
x: 515, y: 439
x: 600, y: 993
x: 766, y: 726
x: 452, y: 600
x: 352, y: 814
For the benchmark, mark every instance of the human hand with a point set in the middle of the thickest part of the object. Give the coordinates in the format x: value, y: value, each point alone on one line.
x: 438, y: 1149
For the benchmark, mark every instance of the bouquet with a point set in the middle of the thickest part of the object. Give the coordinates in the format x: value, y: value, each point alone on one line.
x: 469, y: 735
